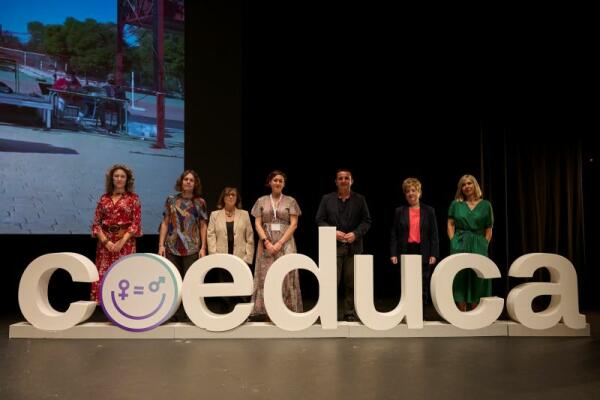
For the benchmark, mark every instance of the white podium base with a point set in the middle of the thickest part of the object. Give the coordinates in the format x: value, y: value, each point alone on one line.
x: 263, y: 330
x: 430, y: 329
x: 516, y: 329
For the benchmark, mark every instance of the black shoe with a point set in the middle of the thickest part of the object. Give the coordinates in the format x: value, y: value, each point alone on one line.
x: 257, y: 318
x: 98, y: 316
x: 350, y: 318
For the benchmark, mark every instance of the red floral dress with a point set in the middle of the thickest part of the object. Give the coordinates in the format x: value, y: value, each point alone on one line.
x: 125, y: 213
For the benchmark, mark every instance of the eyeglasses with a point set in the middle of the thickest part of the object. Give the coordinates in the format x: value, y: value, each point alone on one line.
x: 231, y: 194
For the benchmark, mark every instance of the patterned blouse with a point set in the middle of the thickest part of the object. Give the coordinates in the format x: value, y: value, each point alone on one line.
x: 184, y: 217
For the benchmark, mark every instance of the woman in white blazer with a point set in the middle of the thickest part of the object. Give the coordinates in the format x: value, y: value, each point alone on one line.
x: 230, y: 232
x: 229, y: 228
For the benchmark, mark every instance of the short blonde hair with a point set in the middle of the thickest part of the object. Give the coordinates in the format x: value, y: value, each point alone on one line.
x: 459, y: 194
x: 411, y: 182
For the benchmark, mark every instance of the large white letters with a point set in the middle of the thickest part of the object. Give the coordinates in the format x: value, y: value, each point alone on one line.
x: 195, y: 290
x: 33, y: 291
x: 410, y: 304
x: 326, y: 274
x: 489, y: 308
x: 562, y: 287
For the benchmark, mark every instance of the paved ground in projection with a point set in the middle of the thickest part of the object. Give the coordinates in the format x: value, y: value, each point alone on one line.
x: 50, y: 181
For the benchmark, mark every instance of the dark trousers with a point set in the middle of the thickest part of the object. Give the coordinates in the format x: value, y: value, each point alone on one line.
x: 345, y: 274
x: 182, y: 263
x: 415, y: 248
x: 108, y: 108
x: 224, y: 305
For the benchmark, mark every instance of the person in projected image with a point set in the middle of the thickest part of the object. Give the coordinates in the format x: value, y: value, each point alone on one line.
x: 348, y: 212
x: 182, y: 238
x: 69, y: 82
x: 230, y: 232
x: 276, y: 219
x: 470, y: 222
x: 68, y: 86
x: 117, y: 221
x: 111, y: 105
x: 415, y: 231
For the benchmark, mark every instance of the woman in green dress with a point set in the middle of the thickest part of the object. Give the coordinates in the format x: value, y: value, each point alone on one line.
x: 470, y: 221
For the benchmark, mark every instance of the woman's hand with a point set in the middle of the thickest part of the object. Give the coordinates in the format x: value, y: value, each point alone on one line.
x: 394, y: 260
x: 118, y: 246
x: 161, y: 250
x: 277, y: 247
x: 110, y: 246
x: 270, y: 247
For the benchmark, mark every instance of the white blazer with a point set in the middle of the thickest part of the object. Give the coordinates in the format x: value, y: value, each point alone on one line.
x: 243, y: 235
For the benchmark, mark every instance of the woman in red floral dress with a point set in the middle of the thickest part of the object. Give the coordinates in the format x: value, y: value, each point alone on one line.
x: 117, y: 221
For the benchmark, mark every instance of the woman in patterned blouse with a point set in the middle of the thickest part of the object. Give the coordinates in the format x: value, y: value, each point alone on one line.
x: 182, y: 237
x: 183, y: 229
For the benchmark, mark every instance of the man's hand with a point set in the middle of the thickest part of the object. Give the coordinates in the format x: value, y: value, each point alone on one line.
x: 350, y: 237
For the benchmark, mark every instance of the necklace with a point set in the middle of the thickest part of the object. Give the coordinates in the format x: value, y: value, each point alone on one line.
x: 230, y: 214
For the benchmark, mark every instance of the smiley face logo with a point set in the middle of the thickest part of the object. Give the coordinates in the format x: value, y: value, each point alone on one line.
x: 141, y: 291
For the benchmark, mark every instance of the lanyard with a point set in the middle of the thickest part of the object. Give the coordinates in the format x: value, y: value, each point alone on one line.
x: 275, y: 206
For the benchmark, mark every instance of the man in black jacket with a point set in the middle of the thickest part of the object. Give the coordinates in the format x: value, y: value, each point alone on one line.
x: 348, y: 212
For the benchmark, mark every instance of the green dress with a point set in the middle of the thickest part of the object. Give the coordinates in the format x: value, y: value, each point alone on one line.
x: 469, y: 237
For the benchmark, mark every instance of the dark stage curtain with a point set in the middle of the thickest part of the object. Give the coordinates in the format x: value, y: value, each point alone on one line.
x: 549, y: 199
x: 537, y: 189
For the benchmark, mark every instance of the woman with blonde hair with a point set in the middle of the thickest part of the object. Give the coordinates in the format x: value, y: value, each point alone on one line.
x: 415, y: 231
x: 470, y: 222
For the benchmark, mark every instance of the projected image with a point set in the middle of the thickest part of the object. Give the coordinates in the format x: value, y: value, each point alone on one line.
x: 80, y: 90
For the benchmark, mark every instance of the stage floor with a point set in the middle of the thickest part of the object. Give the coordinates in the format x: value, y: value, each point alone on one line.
x: 329, y: 368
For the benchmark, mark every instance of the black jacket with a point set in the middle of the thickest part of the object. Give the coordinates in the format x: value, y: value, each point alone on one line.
x: 356, y: 217
x: 430, y: 243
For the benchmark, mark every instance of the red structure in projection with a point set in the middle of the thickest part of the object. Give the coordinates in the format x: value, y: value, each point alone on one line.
x: 158, y: 15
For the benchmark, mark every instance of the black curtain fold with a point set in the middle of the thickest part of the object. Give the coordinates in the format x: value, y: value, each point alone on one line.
x: 534, y: 179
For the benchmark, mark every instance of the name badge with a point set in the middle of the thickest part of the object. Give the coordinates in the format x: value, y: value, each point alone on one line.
x: 275, y: 227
